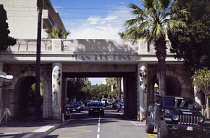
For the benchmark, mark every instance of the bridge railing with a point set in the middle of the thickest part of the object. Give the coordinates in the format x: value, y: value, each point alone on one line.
x: 84, y: 46
x: 98, y: 45
x: 30, y: 45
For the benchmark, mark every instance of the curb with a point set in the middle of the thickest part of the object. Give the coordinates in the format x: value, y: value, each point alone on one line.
x: 43, y: 131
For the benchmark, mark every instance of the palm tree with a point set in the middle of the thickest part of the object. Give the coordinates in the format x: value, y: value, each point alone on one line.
x: 57, y: 33
x: 152, y: 23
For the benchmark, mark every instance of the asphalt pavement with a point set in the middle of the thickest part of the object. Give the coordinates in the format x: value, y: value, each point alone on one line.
x: 27, y: 129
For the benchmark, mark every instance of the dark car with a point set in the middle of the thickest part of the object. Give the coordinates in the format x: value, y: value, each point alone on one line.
x: 74, y: 107
x: 86, y: 102
x: 96, y: 108
x: 114, y: 104
x: 120, y: 106
x: 176, y: 116
x: 82, y: 105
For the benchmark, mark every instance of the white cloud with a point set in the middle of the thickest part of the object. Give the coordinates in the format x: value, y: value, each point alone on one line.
x: 101, y: 27
x: 93, y: 20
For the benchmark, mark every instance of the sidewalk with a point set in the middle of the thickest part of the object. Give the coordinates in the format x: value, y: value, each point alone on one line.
x: 32, y: 129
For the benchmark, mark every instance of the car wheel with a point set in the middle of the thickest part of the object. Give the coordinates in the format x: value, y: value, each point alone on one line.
x: 162, y: 130
x: 149, y: 127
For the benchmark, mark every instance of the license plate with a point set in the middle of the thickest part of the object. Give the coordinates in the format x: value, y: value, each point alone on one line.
x: 190, y: 128
x: 73, y: 110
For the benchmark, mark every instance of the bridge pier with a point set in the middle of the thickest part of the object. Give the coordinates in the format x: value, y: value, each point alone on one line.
x: 56, y: 89
x: 141, y: 90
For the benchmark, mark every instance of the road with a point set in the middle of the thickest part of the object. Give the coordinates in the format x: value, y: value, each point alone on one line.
x: 112, y: 125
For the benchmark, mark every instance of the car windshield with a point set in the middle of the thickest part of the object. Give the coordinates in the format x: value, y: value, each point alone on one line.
x: 74, y: 103
x: 179, y: 103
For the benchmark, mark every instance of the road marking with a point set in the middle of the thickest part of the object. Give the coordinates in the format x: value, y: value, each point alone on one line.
x: 99, y: 124
x: 13, y: 133
x: 151, y: 136
x: 98, y: 130
x: 141, y: 124
x: 134, y: 123
x: 99, y: 119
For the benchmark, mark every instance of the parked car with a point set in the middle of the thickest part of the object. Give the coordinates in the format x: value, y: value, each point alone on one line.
x: 104, y: 101
x: 82, y: 105
x: 114, y: 104
x: 176, y: 116
x: 86, y: 102
x: 96, y: 108
x: 74, y: 107
x: 120, y: 106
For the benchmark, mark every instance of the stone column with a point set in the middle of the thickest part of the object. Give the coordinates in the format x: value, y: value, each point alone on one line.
x: 56, y: 90
x: 141, y: 90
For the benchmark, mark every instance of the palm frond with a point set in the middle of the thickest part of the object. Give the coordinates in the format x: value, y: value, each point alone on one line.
x: 175, y: 25
x: 57, y: 33
x: 131, y: 22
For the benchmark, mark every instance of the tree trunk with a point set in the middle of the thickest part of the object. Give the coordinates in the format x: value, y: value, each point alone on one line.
x: 162, y: 77
x: 160, y: 47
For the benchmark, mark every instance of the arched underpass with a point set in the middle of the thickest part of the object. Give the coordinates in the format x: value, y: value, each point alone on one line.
x: 25, y: 108
x: 130, y: 89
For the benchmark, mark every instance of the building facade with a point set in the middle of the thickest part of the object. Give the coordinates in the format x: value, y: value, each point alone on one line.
x: 23, y: 18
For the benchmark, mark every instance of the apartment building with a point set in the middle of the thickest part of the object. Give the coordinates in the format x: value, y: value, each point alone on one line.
x: 23, y: 18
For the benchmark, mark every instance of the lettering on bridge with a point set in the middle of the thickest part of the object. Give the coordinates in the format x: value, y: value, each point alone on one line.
x: 103, y: 57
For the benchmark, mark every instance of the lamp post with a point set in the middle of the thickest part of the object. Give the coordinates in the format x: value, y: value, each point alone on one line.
x: 38, y: 103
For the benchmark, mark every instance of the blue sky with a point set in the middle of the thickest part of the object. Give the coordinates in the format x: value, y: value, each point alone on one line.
x: 95, y: 81
x: 94, y: 19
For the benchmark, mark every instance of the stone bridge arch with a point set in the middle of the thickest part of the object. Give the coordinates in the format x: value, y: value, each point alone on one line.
x: 175, y: 84
x: 28, y: 75
x: 174, y: 80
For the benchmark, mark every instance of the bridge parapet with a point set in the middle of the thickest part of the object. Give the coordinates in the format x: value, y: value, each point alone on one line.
x: 88, y: 46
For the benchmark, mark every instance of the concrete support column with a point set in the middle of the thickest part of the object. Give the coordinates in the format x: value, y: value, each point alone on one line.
x: 141, y: 90
x: 56, y: 90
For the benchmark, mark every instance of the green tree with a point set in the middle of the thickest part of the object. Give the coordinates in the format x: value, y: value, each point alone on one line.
x: 192, y: 45
x: 201, y: 80
x: 103, y: 91
x: 5, y: 39
x: 57, y: 33
x: 31, y: 94
x: 94, y: 92
x: 152, y: 22
x: 111, y: 81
